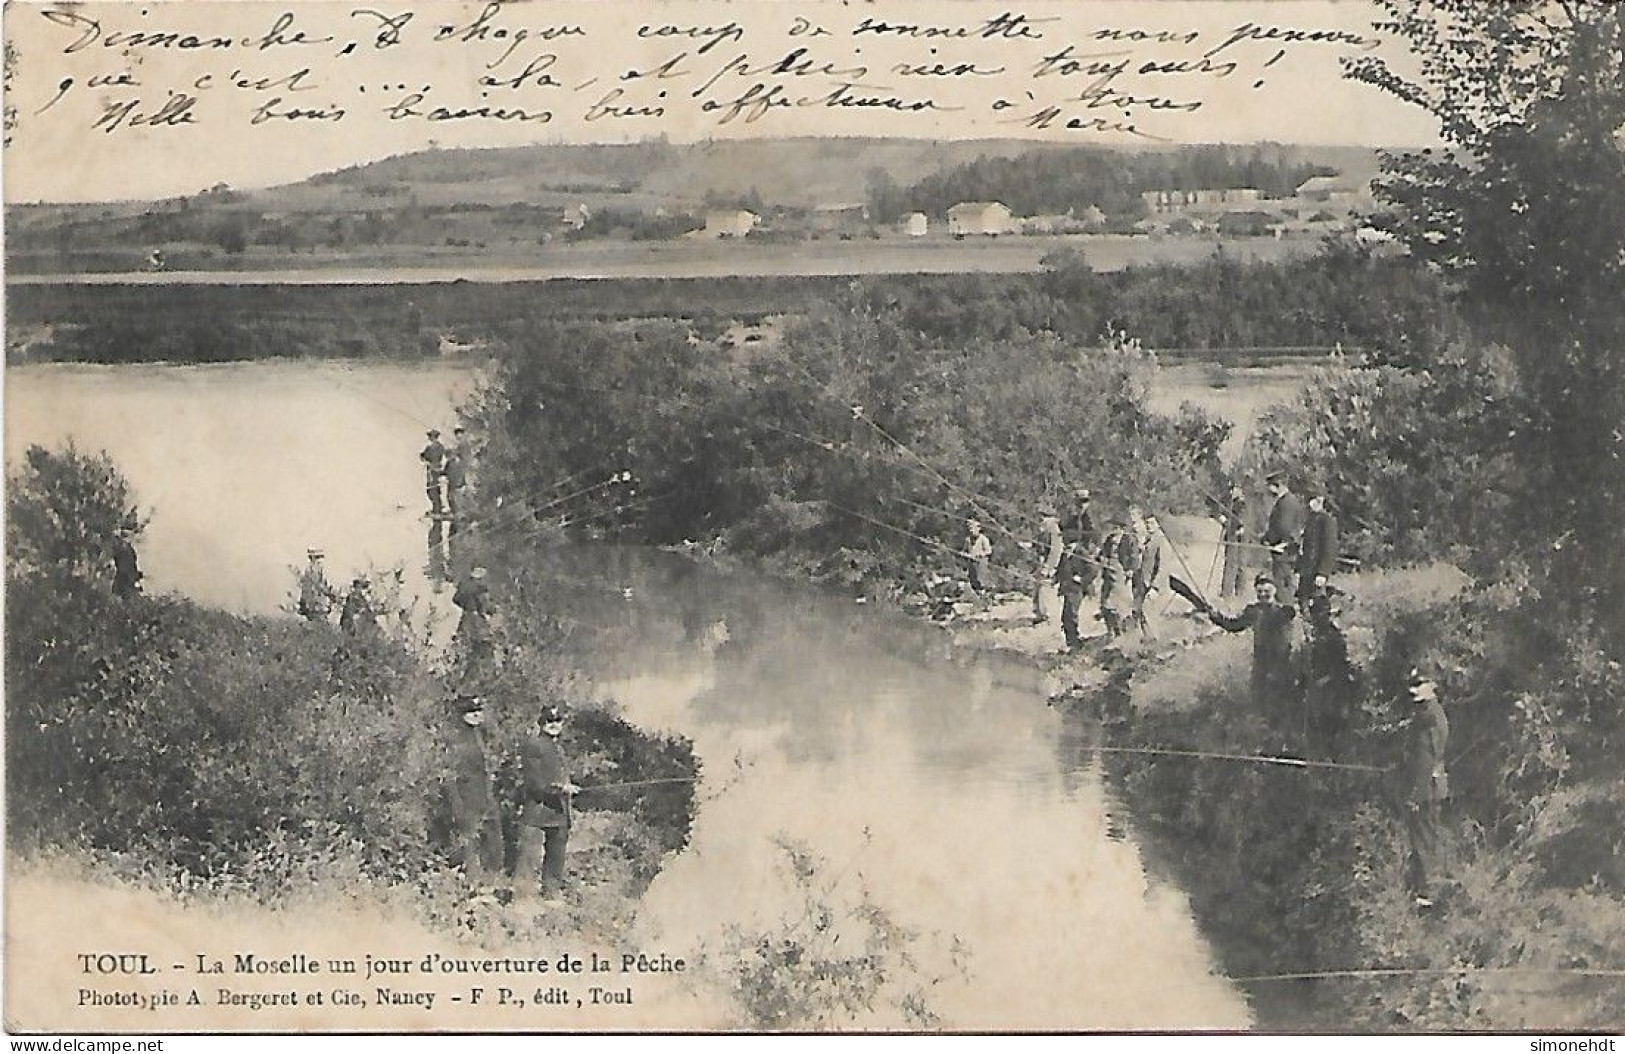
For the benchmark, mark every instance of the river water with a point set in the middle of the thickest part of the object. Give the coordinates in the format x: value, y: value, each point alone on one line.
x: 943, y: 785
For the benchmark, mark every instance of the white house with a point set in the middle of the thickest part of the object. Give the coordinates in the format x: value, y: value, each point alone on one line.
x: 980, y: 217
x: 916, y: 225
x: 730, y: 223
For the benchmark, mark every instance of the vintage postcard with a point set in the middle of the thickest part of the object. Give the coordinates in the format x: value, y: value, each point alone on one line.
x: 727, y: 515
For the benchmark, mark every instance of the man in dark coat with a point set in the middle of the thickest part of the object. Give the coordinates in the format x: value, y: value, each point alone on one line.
x: 1119, y: 561
x: 1272, y: 681
x: 1283, y: 533
x: 126, y: 565
x: 433, y: 456
x: 545, y: 806
x: 1330, y: 682
x: 1317, y: 552
x: 475, y: 824
x: 1075, y: 574
x: 1427, y: 785
x: 1148, y: 568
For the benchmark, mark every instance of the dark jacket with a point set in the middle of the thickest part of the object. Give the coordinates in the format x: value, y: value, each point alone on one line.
x: 1078, y: 546
x: 456, y: 472
x: 469, y: 781
x: 1286, y: 521
x: 1272, y: 628
x: 433, y: 457
x: 1148, y: 564
x: 126, y: 567
x: 542, y: 773
x: 1319, y: 553
x: 1428, y: 734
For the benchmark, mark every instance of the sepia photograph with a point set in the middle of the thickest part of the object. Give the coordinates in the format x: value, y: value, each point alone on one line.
x: 808, y: 516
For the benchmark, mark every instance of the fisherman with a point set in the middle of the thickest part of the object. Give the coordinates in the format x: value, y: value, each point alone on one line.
x: 1330, y: 682
x: 433, y: 457
x: 546, y: 809
x: 1233, y: 524
x: 473, y: 597
x: 1050, y: 545
x: 316, y: 594
x: 1284, y: 530
x: 1271, y: 622
x: 476, y: 825
x: 357, y: 616
x: 1317, y: 552
x: 126, y: 565
x: 1075, y: 571
x: 979, y: 548
x: 1427, y: 784
x: 455, y: 473
x: 1119, y: 559
x: 1148, y: 566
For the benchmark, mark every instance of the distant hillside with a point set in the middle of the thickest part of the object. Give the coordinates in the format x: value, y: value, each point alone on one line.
x: 476, y: 200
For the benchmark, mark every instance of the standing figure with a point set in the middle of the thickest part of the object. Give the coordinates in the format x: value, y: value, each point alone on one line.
x: 455, y: 474
x: 1233, y: 533
x: 545, y: 808
x: 1075, y: 571
x: 1148, y: 566
x: 316, y: 594
x: 475, y: 824
x: 1427, y: 785
x: 1285, y: 528
x: 1119, y: 559
x: 1331, y: 684
x: 1317, y: 554
x: 433, y: 457
x: 1271, y: 622
x: 473, y: 597
x: 126, y: 565
x: 357, y: 617
x: 980, y: 549
x: 1050, y: 546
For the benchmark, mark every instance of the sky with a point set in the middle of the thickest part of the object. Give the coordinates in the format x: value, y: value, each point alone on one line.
x: 129, y: 101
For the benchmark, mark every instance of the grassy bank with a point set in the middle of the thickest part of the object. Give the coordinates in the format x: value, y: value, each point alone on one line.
x: 265, y: 758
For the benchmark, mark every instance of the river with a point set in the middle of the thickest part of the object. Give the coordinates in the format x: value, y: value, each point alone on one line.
x: 942, y: 784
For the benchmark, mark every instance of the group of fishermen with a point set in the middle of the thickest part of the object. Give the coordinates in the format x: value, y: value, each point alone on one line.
x: 540, y: 816
x: 445, y: 472
x: 1311, y: 696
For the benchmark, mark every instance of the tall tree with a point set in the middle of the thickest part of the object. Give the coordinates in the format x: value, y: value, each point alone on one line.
x: 1525, y: 208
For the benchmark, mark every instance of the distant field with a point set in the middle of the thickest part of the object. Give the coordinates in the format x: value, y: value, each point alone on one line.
x: 688, y: 259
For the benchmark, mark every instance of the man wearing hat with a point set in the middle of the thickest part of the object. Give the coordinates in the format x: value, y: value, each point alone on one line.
x: 1075, y: 571
x: 1330, y: 681
x: 545, y: 806
x: 433, y: 457
x: 1284, y: 530
x: 455, y: 472
x: 357, y: 617
x: 1272, y: 682
x: 1050, y: 547
x: 316, y: 594
x: 473, y: 597
x: 1317, y: 555
x: 126, y: 566
x: 1427, y: 783
x: 476, y: 826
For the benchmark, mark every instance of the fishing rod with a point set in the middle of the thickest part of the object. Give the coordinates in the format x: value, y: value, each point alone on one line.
x: 1374, y: 973
x: 1257, y: 759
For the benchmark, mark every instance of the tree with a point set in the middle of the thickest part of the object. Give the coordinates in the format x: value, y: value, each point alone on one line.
x: 1522, y: 210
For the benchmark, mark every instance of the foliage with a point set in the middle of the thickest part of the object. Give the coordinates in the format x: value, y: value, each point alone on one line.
x: 837, y: 959
x: 1413, y: 462
x: 1523, y: 210
x: 850, y: 439
x: 239, y: 754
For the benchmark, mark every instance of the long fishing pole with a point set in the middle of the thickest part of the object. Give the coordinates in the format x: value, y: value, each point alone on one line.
x: 1257, y: 759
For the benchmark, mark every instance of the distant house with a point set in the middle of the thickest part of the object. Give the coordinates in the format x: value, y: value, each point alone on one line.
x: 1335, y: 190
x: 1159, y: 202
x: 980, y: 217
x: 730, y: 223
x: 916, y: 225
